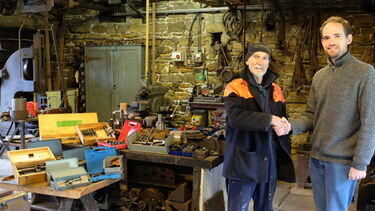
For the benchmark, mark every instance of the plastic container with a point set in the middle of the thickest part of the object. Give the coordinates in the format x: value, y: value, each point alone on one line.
x: 128, y: 128
x: 32, y: 107
x: 95, y: 157
x: 118, y: 146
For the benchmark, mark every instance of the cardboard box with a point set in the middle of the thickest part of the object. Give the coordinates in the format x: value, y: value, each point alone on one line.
x: 62, y: 126
x: 30, y: 158
x: 98, y: 132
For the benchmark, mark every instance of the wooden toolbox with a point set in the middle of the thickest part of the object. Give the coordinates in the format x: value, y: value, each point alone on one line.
x: 89, y: 133
x: 29, y: 164
x: 62, y: 126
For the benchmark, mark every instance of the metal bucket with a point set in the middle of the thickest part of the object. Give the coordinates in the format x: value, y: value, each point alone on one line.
x: 19, y: 104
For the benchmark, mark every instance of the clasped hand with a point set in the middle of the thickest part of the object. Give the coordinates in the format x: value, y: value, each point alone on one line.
x: 280, y: 125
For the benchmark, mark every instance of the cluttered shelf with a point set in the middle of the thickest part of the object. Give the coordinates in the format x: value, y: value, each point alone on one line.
x: 209, y: 162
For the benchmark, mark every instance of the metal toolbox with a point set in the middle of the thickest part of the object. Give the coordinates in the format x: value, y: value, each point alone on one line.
x: 29, y: 164
x: 133, y: 137
x: 114, y: 165
x: 65, y: 174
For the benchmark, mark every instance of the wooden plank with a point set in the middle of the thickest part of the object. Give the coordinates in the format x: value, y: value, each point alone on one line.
x: 45, y: 189
x: 216, y: 202
x: 210, y: 162
x: 197, y: 173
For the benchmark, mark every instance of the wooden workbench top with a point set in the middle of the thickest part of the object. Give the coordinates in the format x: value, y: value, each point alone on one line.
x: 45, y: 189
x: 209, y: 163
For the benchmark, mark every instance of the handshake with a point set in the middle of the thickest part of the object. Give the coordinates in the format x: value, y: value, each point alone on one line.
x: 280, y: 125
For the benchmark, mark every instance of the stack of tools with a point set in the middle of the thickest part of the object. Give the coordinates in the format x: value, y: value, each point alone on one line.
x: 150, y: 140
x: 152, y: 137
x: 94, y: 132
x: 89, y: 132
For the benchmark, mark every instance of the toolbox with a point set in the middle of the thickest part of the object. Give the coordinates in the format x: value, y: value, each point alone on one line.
x: 89, y: 133
x: 114, y: 165
x: 62, y: 126
x: 133, y: 145
x: 73, y: 151
x: 65, y: 174
x: 95, y: 157
x: 29, y: 164
x: 54, y: 145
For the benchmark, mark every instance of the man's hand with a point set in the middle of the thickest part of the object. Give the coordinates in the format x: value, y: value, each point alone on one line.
x: 355, y: 174
x: 280, y: 125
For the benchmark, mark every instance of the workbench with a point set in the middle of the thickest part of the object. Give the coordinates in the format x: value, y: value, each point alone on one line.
x: 207, y: 179
x: 65, y: 198
x: 20, y: 126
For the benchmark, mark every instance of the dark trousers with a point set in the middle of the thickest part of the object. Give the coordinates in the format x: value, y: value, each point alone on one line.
x: 241, y: 192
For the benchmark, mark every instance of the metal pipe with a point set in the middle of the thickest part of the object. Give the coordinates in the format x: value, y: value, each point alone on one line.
x: 192, y: 11
x: 146, y: 41
x: 153, y: 53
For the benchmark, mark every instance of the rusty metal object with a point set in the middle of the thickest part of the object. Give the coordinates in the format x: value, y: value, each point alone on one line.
x: 194, y: 135
x: 143, y: 199
x: 212, y: 144
x: 201, y: 153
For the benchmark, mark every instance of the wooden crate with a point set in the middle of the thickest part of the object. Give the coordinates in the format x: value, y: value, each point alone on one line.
x: 29, y: 158
x: 99, y: 130
x: 62, y: 126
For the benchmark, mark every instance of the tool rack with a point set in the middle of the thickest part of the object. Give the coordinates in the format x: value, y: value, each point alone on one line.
x: 89, y: 133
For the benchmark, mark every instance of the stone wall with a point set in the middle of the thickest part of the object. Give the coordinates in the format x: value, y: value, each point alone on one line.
x: 172, y: 34
x: 84, y: 28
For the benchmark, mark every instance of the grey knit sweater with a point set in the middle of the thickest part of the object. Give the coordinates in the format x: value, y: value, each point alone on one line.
x: 341, y: 113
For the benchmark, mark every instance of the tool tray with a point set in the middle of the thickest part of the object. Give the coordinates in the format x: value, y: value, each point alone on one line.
x: 123, y: 144
x: 62, y: 126
x: 89, y: 133
x: 133, y: 138
x: 30, y: 158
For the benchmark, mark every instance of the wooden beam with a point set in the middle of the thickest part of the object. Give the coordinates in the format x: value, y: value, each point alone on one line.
x: 47, y: 52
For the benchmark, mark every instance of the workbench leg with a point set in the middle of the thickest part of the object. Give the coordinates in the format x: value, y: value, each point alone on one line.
x: 89, y: 203
x: 23, y: 135
x: 197, y: 172
x: 65, y: 204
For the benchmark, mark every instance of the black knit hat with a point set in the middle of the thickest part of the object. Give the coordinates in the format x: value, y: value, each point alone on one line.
x: 255, y: 47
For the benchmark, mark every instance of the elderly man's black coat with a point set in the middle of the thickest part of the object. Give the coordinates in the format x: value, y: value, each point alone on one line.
x: 249, y: 133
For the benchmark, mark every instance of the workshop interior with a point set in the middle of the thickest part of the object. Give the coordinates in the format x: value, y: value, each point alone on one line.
x: 118, y: 104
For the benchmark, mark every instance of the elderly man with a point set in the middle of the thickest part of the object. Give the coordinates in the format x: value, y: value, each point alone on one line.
x: 254, y: 155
